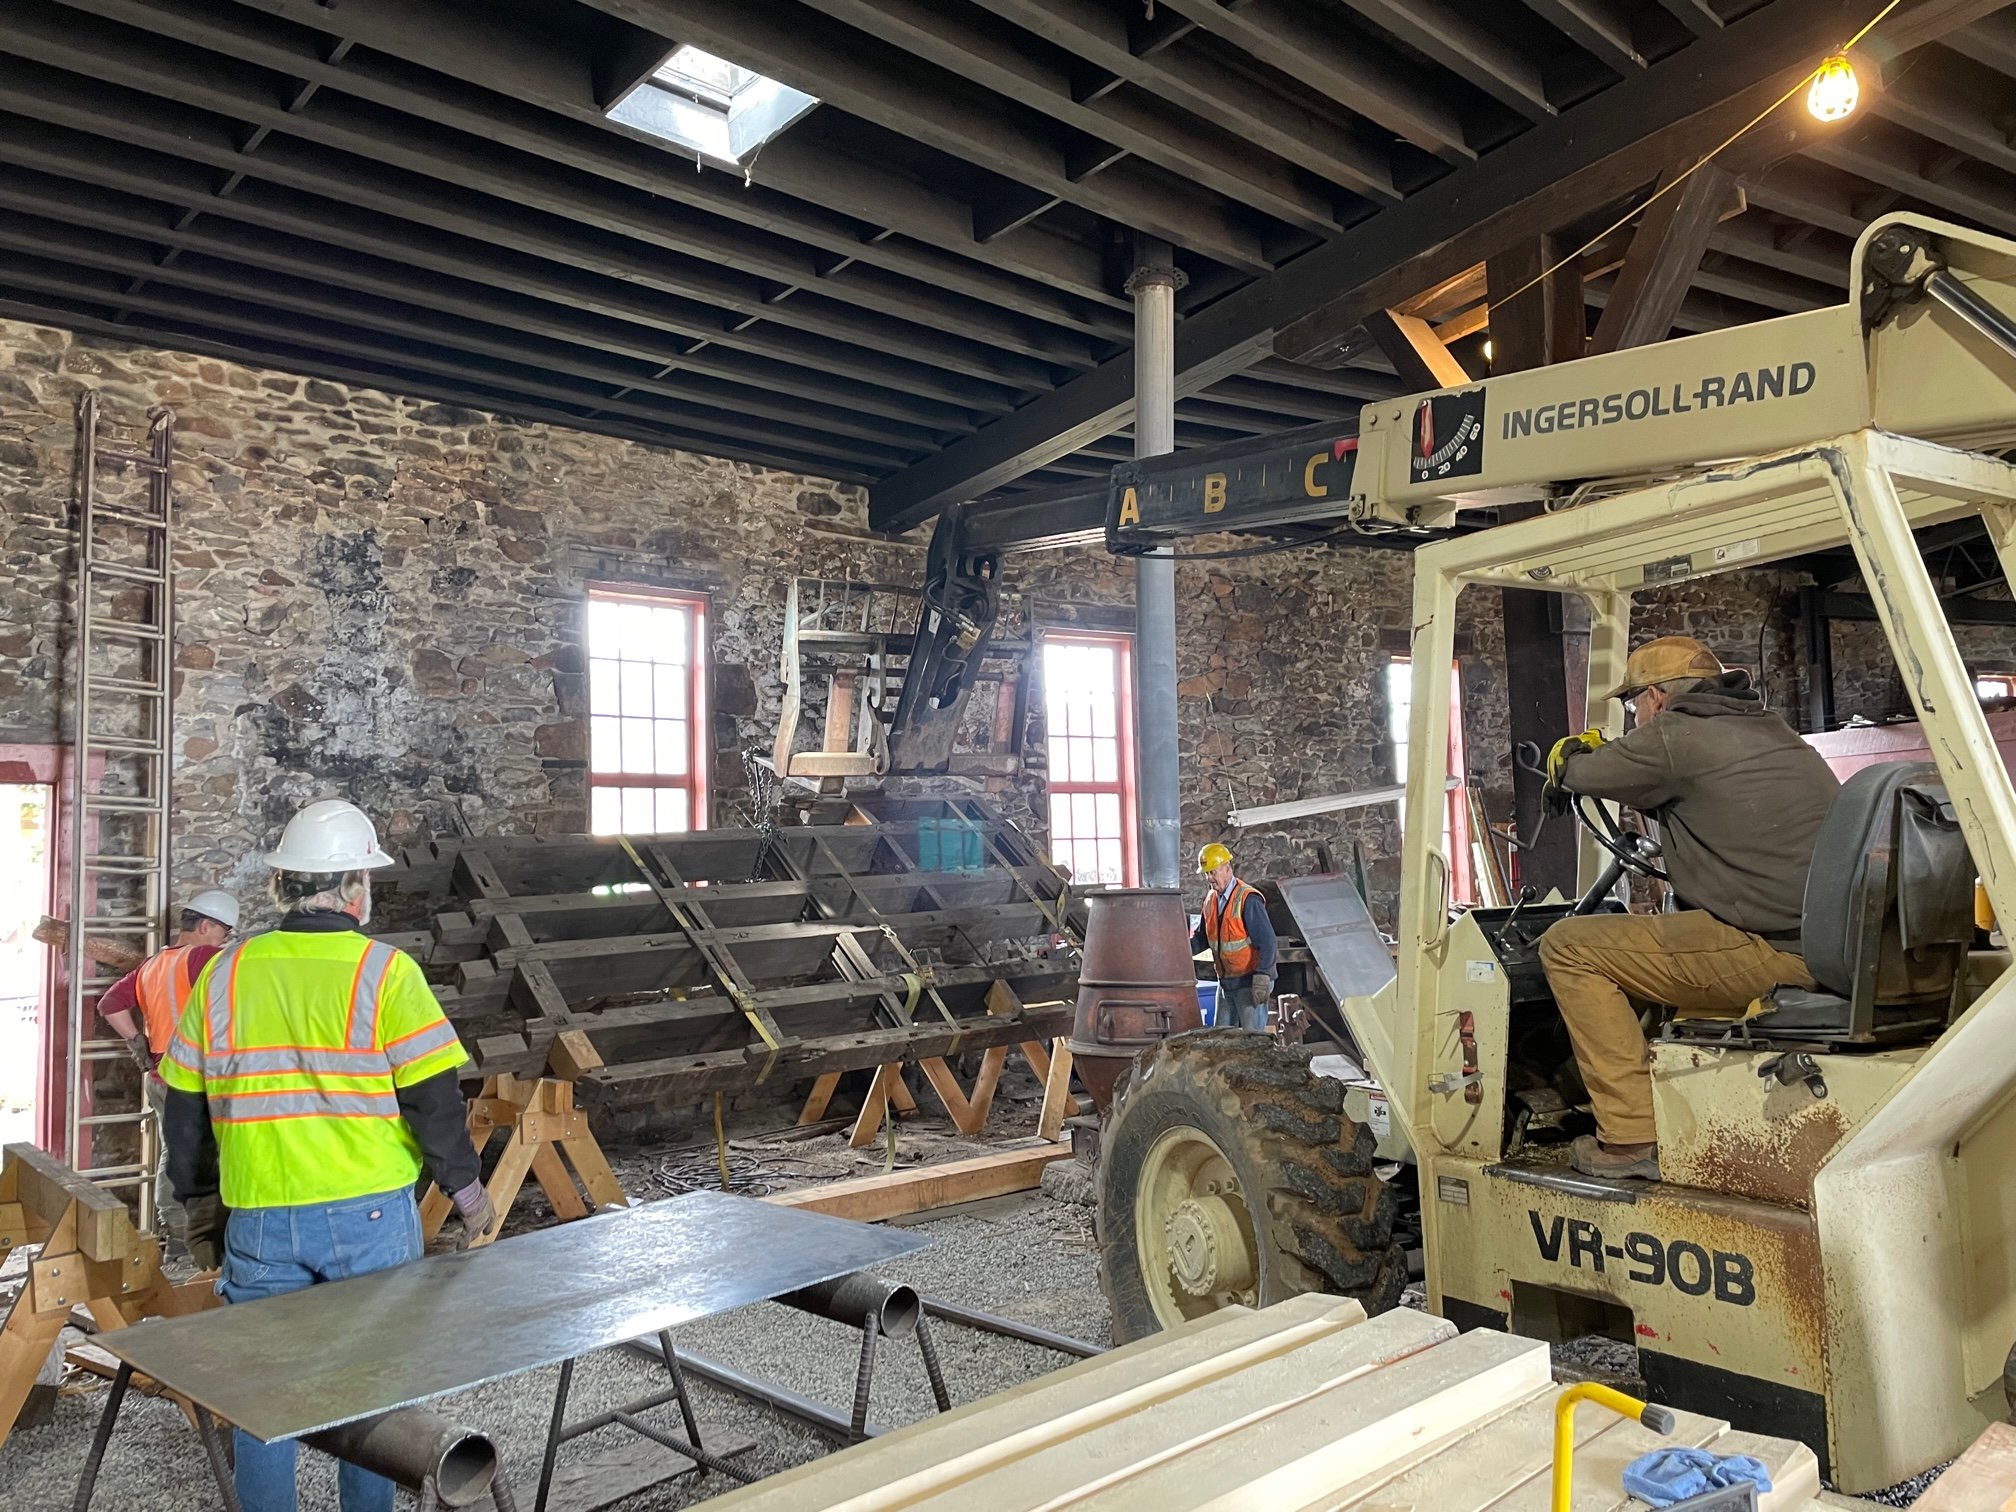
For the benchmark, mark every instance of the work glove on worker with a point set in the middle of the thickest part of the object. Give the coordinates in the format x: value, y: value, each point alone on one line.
x: 1263, y: 991
x: 143, y: 1057
x: 1557, y: 797
x: 203, y: 1223
x: 472, y: 1206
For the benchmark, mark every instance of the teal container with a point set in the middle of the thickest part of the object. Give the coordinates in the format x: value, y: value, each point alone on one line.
x: 946, y: 845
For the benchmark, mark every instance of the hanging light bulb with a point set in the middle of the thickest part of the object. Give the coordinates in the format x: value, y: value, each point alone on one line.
x: 1835, y: 90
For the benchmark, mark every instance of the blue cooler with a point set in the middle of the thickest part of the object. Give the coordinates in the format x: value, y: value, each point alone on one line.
x: 1207, y: 1002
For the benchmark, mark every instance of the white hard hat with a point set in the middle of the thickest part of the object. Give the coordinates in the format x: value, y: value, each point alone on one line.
x: 215, y: 904
x: 329, y: 836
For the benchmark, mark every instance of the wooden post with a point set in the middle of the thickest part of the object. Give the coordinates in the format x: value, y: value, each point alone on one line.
x: 542, y: 1124
x: 91, y: 1256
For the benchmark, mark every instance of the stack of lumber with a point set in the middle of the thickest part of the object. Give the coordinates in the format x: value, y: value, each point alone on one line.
x: 1304, y: 1407
x: 707, y: 962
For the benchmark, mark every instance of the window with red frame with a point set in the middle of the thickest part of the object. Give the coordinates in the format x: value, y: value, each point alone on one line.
x: 1088, y: 696
x: 1456, y: 807
x: 647, y: 711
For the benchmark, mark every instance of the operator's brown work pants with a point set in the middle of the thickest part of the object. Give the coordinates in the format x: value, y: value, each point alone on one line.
x: 1606, y: 968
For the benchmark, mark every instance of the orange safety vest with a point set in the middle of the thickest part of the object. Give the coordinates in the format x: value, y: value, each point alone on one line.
x: 162, y: 986
x: 1227, y: 933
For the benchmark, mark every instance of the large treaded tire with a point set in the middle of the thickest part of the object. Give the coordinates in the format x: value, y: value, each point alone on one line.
x: 1328, y: 1219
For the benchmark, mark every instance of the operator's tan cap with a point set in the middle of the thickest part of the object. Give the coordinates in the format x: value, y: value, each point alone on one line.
x: 1664, y: 660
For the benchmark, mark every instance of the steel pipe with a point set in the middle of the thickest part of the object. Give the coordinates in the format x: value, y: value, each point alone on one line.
x: 1154, y: 283
x: 826, y: 1419
x: 1028, y: 1333
x: 414, y: 1447
x: 893, y: 1306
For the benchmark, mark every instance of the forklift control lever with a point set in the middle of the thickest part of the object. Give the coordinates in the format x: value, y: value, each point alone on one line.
x: 1795, y: 1066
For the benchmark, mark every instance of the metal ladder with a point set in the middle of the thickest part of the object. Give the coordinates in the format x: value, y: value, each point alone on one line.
x: 120, y: 759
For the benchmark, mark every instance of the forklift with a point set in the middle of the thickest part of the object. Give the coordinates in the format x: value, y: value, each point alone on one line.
x: 1829, y: 1255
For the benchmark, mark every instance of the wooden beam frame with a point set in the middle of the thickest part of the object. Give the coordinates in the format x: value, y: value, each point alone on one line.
x: 1551, y: 175
x: 1416, y: 351
x: 1665, y: 254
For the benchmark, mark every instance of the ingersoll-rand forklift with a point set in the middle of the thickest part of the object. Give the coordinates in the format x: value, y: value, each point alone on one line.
x: 1829, y: 1256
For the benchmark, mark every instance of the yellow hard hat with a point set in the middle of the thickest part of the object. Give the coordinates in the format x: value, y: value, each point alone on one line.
x: 1212, y: 857
x: 1667, y: 659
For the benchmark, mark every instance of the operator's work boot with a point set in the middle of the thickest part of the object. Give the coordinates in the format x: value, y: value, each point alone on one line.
x: 1594, y: 1158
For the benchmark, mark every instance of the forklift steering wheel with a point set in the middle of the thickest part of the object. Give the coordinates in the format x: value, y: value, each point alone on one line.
x: 1628, y: 848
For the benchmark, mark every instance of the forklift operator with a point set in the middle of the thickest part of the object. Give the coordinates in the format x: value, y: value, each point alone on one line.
x: 1739, y: 799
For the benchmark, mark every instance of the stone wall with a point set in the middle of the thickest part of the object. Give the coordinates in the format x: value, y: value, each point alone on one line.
x: 383, y: 598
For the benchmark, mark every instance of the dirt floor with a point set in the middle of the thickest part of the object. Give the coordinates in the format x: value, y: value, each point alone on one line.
x: 1029, y: 1257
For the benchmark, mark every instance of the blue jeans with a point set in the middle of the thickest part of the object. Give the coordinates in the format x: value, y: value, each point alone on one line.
x: 268, y: 1251
x: 1236, y: 1008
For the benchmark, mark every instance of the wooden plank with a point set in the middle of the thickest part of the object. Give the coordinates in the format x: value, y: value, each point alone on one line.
x: 572, y: 1056
x: 1103, y: 1450
x: 870, y: 1199
x: 47, y: 1188
x: 604, y: 1190
x: 1058, y: 1104
x: 1981, y: 1480
x: 821, y: 1094
x: 1281, y: 1457
x: 1028, y: 1418
x: 874, y: 1107
x: 551, y: 1174
x: 1665, y: 255
x: 1416, y: 352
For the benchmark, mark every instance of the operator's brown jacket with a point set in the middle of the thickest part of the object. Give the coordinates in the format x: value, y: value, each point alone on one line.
x: 1738, y: 796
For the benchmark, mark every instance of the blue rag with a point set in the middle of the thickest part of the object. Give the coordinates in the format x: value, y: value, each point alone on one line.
x: 1666, y: 1476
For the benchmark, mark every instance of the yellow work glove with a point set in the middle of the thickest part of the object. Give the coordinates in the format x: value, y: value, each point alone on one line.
x: 1566, y: 746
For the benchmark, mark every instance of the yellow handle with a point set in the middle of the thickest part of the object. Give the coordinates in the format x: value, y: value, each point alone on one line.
x: 1658, y: 1419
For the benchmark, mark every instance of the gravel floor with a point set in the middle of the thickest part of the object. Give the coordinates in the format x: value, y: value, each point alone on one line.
x: 1028, y: 1258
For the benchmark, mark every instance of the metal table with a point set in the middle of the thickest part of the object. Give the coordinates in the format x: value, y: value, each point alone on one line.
x: 293, y: 1365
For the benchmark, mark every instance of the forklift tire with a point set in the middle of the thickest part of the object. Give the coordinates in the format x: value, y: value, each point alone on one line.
x: 1200, y: 1125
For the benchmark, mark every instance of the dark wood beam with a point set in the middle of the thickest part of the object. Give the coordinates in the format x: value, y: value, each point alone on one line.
x: 999, y: 57
x: 1962, y: 109
x: 1879, y: 154
x: 1698, y: 16
x: 186, y: 336
x: 1553, y: 174
x: 1201, y: 83
x: 1443, y: 32
x: 1596, y: 26
x: 1991, y: 41
x: 467, y: 181
x: 1537, y: 319
x: 481, y: 77
x: 1665, y: 253
x: 298, y: 233
x: 1817, y: 256
x: 186, y: 292
x: 1858, y: 606
x: 1364, y: 79
x: 1928, y: 21
x: 853, y: 341
x: 876, y: 80
x: 829, y: 428
x: 1416, y: 352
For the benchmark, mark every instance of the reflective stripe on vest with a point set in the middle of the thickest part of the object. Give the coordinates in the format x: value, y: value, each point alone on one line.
x: 1225, y: 928
x: 359, y: 1057
x: 162, y: 986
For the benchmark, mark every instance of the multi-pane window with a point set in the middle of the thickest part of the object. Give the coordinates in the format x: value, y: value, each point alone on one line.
x: 1087, y: 683
x: 1995, y: 687
x: 647, y: 712
x: 1456, y: 808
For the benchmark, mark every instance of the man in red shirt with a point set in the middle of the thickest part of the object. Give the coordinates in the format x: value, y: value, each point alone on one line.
x: 155, y: 993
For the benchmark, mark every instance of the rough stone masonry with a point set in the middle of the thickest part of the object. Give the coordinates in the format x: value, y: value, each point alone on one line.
x: 382, y: 598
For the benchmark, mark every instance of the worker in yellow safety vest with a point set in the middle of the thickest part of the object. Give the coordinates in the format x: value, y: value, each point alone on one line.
x: 311, y: 1078
x: 142, y: 1008
x: 1235, y: 928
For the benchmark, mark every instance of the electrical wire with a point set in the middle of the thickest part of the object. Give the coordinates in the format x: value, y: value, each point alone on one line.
x: 1702, y: 162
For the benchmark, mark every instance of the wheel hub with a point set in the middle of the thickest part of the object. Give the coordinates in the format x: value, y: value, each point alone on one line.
x: 1207, y: 1252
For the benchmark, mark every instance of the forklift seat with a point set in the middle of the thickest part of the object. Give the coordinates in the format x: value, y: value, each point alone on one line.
x: 1888, y: 913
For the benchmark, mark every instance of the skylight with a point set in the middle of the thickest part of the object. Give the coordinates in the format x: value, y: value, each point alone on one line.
x: 719, y: 109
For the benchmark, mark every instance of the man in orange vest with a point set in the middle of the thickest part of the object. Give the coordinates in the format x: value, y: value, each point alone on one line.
x: 1235, y: 928
x: 154, y: 994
